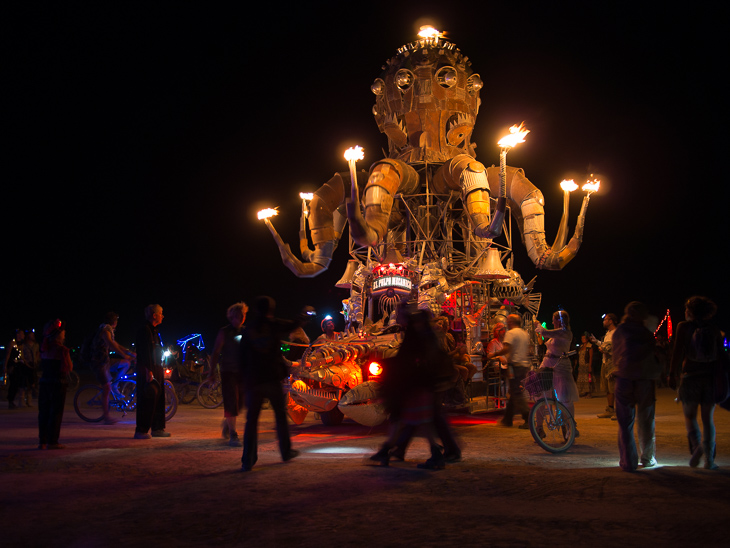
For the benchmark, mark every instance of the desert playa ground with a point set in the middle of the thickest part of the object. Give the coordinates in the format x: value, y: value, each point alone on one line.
x: 108, y: 489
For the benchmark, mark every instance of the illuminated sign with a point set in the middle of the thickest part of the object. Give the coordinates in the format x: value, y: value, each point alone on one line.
x: 398, y: 282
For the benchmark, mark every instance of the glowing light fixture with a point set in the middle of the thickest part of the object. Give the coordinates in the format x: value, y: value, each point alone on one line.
x: 375, y: 369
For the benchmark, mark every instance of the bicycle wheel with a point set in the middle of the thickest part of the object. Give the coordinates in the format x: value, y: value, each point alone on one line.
x: 187, y: 392
x: 87, y: 403
x: 170, y: 401
x: 210, y: 394
x: 552, y: 425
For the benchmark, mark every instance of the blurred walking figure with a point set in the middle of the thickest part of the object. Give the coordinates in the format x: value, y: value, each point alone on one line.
x: 55, y: 365
x: 697, y: 350
x: 608, y: 369
x: 412, y: 393
x: 225, y: 355
x: 515, y: 348
x: 262, y: 369
x: 150, y: 377
x: 635, y: 398
x: 101, y: 362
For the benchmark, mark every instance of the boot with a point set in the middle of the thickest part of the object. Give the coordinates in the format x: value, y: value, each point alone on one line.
x: 695, y: 447
x: 609, y: 413
x: 709, y: 449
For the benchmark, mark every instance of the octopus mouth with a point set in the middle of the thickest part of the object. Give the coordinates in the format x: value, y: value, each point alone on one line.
x: 395, y: 129
x: 459, y: 128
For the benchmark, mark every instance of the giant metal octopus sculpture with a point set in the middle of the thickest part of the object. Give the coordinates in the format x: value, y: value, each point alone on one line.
x: 429, y: 213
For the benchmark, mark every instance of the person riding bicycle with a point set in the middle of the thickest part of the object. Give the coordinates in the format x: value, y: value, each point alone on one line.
x: 558, y: 345
x: 106, y: 368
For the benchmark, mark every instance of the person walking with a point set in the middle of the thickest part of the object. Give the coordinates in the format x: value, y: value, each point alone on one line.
x: 150, y: 378
x: 262, y: 369
x: 635, y: 387
x: 515, y: 347
x: 413, y: 395
x: 225, y: 355
x: 697, y: 349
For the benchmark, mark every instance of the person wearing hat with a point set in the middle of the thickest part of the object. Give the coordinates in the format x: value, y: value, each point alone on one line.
x: 55, y: 364
x: 328, y: 331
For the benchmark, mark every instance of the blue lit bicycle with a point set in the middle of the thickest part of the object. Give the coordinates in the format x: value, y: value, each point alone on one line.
x: 122, y: 400
x: 551, y: 424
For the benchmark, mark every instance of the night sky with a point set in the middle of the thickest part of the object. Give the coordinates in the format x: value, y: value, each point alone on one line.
x: 145, y: 137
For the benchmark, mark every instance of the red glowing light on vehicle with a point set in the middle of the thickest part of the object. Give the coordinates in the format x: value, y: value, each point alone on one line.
x: 375, y: 369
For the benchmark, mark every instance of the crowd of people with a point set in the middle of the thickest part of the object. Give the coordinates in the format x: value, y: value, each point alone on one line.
x: 627, y: 364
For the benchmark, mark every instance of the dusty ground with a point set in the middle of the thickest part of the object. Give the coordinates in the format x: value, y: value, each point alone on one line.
x: 106, y: 488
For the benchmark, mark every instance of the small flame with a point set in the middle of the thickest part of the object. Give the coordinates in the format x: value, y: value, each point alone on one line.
x: 306, y: 196
x: 354, y: 154
x: 568, y: 185
x: 517, y: 135
x: 591, y: 186
x: 266, y: 213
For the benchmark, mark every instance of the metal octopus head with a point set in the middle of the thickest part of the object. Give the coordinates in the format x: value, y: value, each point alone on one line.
x: 427, y: 99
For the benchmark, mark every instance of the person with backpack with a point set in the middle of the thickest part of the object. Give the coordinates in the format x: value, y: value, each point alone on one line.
x: 101, y: 363
x: 698, y: 348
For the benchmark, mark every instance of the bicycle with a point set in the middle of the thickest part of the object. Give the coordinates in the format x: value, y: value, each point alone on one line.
x: 122, y: 399
x: 210, y: 394
x: 551, y: 424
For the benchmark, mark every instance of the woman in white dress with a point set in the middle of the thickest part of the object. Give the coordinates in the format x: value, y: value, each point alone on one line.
x: 558, y: 345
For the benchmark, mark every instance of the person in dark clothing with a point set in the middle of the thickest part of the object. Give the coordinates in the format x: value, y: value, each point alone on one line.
x: 636, y: 371
x: 150, y: 378
x: 698, y: 348
x: 412, y: 391
x: 262, y: 369
x: 55, y: 365
x: 225, y: 356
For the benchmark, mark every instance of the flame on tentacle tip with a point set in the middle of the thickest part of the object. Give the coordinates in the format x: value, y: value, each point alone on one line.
x: 516, y: 135
x: 266, y: 213
x: 354, y: 153
x: 568, y: 185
